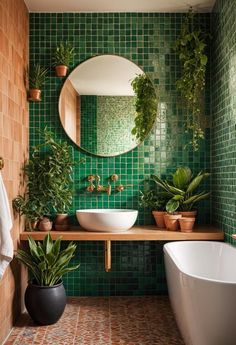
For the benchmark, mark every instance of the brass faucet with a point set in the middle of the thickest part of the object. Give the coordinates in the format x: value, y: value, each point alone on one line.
x: 98, y: 187
x: 95, y: 185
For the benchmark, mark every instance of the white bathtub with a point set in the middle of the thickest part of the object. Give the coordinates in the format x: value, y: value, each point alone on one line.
x: 201, y: 278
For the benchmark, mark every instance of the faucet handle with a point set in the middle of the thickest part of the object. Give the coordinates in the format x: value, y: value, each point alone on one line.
x: 114, y: 177
x: 91, y: 178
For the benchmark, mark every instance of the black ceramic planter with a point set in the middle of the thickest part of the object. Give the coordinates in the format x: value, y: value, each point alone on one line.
x: 45, y: 304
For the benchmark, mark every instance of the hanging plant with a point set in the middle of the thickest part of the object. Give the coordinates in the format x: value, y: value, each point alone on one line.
x: 145, y: 105
x: 190, y: 47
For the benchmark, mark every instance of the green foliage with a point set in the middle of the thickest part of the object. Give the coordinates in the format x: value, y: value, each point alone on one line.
x: 46, y: 261
x: 64, y: 54
x: 190, y: 47
x: 49, y: 180
x: 183, y: 189
x: 145, y: 104
x: 152, y: 198
x: 37, y: 76
x: 32, y: 208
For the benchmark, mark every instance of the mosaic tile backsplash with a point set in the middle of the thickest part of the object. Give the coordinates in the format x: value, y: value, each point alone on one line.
x: 146, y: 39
x: 224, y: 116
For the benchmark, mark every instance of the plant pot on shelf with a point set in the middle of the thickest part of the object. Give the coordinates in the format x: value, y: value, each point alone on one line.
x: 35, y: 95
x: 45, y: 224
x: 188, y: 214
x: 186, y: 224
x: 45, y: 304
x: 62, y: 222
x: 159, y: 218
x: 61, y: 70
x: 172, y: 221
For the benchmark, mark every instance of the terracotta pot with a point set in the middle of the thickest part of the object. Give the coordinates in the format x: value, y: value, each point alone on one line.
x: 61, y: 70
x: 45, y: 224
x: 34, y: 95
x: 186, y: 224
x: 166, y: 218
x: 172, y: 222
x: 62, y: 222
x: 188, y: 214
x: 159, y: 218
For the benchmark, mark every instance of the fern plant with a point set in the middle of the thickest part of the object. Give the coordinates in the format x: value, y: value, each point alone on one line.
x: 190, y: 47
x: 46, y: 262
x: 64, y: 54
x: 37, y: 76
x: 145, y: 105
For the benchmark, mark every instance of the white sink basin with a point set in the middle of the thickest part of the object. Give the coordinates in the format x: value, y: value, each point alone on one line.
x: 106, y: 220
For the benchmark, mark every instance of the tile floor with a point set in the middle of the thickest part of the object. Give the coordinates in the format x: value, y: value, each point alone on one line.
x: 104, y: 321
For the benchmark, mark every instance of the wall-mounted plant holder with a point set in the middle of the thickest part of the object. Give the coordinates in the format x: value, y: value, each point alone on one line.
x: 34, y: 95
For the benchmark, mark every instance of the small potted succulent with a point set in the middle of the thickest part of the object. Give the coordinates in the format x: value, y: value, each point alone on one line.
x: 37, y: 76
x: 45, y: 296
x: 63, y: 56
x: 184, y: 192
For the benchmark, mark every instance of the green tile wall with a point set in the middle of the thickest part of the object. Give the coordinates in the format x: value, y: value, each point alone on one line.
x: 224, y: 116
x: 147, y: 40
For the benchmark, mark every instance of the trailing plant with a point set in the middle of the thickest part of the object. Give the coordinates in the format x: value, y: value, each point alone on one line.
x: 190, y: 47
x: 64, y: 54
x: 145, y: 104
x: 37, y: 76
x: 182, y: 189
x: 46, y: 261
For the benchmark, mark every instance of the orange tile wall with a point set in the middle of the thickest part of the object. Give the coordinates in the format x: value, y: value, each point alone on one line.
x: 14, y: 124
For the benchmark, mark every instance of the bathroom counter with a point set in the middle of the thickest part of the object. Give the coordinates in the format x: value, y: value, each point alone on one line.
x: 137, y: 233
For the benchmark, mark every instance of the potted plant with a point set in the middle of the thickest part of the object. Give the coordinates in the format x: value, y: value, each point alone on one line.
x: 156, y: 202
x: 45, y: 297
x: 58, y: 164
x: 183, y: 189
x: 62, y: 57
x: 49, y: 181
x: 30, y: 208
x: 37, y: 76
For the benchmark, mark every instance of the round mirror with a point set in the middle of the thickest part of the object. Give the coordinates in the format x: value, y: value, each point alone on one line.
x: 107, y: 105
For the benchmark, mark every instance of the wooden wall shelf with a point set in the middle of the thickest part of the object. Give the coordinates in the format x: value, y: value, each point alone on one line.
x: 137, y: 233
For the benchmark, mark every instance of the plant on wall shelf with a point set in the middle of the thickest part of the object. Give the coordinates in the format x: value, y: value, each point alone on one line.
x: 145, y: 104
x: 190, y: 47
x: 63, y: 56
x: 37, y: 76
x: 183, y: 189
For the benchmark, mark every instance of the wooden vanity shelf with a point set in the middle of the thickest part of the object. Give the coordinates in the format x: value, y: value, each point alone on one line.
x: 137, y: 233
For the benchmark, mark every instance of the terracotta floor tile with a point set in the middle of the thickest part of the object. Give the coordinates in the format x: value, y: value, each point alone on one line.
x: 146, y: 320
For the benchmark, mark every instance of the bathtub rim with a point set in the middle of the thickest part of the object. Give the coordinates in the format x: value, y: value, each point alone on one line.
x: 175, y: 261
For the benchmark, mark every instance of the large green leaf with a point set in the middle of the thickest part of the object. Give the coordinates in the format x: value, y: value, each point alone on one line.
x: 195, y: 198
x: 172, y: 205
x: 182, y: 177
x: 196, y: 182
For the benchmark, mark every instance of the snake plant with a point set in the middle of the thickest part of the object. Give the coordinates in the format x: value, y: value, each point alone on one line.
x: 46, y: 261
x: 182, y: 191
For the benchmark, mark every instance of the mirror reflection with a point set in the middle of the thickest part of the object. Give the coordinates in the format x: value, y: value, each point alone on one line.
x: 98, y: 105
